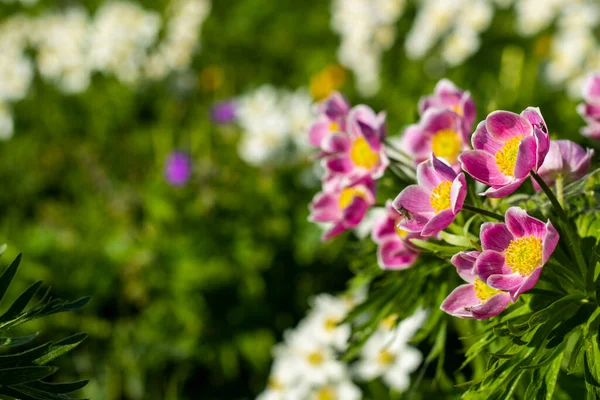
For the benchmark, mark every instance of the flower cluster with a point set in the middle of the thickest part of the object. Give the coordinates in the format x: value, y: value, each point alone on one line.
x: 69, y: 46
x: 353, y: 155
x: 367, y: 29
x: 307, y: 364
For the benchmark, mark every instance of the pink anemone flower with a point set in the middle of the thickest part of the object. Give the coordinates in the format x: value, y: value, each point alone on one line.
x: 342, y: 207
x: 439, y: 131
x: 566, y: 159
x: 394, y: 250
x: 507, y: 147
x: 447, y: 94
x: 432, y: 204
x: 590, y: 109
x: 358, y: 152
x: 332, y: 113
x: 465, y: 263
x: 515, y: 252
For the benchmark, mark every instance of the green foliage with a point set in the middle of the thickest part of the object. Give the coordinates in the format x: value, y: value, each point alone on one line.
x: 23, y: 367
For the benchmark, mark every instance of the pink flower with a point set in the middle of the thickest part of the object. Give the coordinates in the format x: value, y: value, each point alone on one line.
x: 394, y: 250
x: 515, y: 252
x: 342, y: 207
x: 507, y: 147
x: 465, y: 263
x: 567, y: 159
x: 447, y: 94
x: 590, y: 109
x: 439, y: 131
x: 431, y: 205
x: 358, y: 152
x: 332, y: 113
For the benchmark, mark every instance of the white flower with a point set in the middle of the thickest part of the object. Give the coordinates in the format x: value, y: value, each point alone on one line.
x: 459, y: 45
x: 282, y: 379
x: 322, y: 322
x: 342, y: 390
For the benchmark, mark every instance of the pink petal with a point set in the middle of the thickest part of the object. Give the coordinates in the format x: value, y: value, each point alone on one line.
x: 355, y: 211
x: 393, y: 254
x: 416, y: 143
x: 543, y: 145
x: 415, y: 199
x: 503, y: 191
x: 444, y: 170
x: 364, y: 122
x: 438, y: 223
x: 552, y: 163
x: 334, y: 231
x: 465, y: 264
x: 550, y: 241
x: 495, y: 236
x: 591, y: 131
x: 482, y: 140
x: 591, y: 88
x: 468, y: 110
x: 505, y: 125
x: 534, y: 116
x: 437, y: 119
x: 490, y: 263
x: 458, y: 192
x: 520, y: 224
x: 460, y: 301
x: 528, y: 283
x: 336, y: 106
x: 482, y: 167
x: 340, y: 164
x: 336, y: 143
x: 494, y: 306
x: 506, y: 282
x: 526, y: 157
x: 427, y: 176
x: 318, y: 131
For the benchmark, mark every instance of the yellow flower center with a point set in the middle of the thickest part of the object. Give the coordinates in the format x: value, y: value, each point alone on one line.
x: 401, y: 232
x: 348, y: 195
x: 523, y: 255
x: 440, y: 197
x: 274, y: 384
x: 362, y: 155
x: 326, y: 393
x: 458, y: 109
x: 315, y: 358
x: 331, y: 323
x: 386, y: 358
x: 389, y: 322
x: 506, y: 157
x: 446, y: 144
x: 334, y: 127
x: 483, y: 291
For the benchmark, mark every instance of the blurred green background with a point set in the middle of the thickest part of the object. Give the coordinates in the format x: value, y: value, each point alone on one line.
x: 192, y: 286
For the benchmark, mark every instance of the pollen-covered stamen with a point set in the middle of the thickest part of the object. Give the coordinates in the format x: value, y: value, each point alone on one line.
x: 523, y: 255
x: 446, y: 144
x: 330, y: 324
x: 326, y: 393
x: 389, y: 322
x: 457, y: 108
x: 315, y: 358
x: 400, y: 232
x: 440, y: 197
x: 362, y: 155
x: 506, y: 157
x: 334, y: 127
x: 348, y: 194
x: 386, y: 358
x: 274, y: 384
x: 483, y: 291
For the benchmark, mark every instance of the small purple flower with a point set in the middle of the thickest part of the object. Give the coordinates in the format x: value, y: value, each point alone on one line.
x: 439, y: 131
x: 590, y: 109
x: 394, y: 250
x: 223, y: 112
x: 566, y: 159
x: 515, y: 252
x: 432, y: 204
x: 507, y: 147
x: 358, y: 152
x: 447, y: 94
x: 332, y: 113
x: 178, y: 168
x: 342, y: 207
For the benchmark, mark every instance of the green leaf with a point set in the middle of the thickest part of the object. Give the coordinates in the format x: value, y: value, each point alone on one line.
x: 17, y: 341
x: 455, y: 240
x: 18, y: 375
x: 575, y: 353
x: 21, y: 302
x: 8, y: 276
x: 61, y: 348
x: 59, y: 388
x: 437, y: 248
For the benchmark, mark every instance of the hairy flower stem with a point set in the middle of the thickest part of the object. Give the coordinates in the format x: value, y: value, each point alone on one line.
x: 481, y: 211
x: 572, y: 240
x: 559, y: 190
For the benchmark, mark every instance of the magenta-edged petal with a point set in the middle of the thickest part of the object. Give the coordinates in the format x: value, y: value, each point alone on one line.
x: 495, y: 236
x: 383, y: 228
x: 505, y: 125
x: 438, y: 223
x: 528, y: 283
x: 364, y: 122
x: 318, y: 131
x: 415, y: 224
x: 506, y: 282
x: 591, y: 88
x: 393, y: 254
x: 355, y: 211
x: 436, y: 119
x: 465, y: 264
x: 482, y: 167
x: 552, y: 163
x: 503, y: 191
x: 468, y: 110
x: 589, y: 111
x: 336, y: 143
x: 427, y: 177
x: 534, y: 116
x: 494, y: 306
x: 415, y: 143
x: 336, y: 106
x: 446, y: 87
x: 384, y: 162
x: 415, y: 199
x: 340, y: 164
x: 543, y: 145
x: 460, y: 302
x: 591, y: 131
x: 526, y: 157
x: 549, y: 242
x: 334, y: 231
x: 482, y: 140
x: 490, y: 263
x: 458, y: 192
x: 520, y: 224
x: 444, y: 170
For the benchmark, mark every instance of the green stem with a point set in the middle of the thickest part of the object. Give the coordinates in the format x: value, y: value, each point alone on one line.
x: 481, y: 211
x: 571, y: 238
x: 559, y: 190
